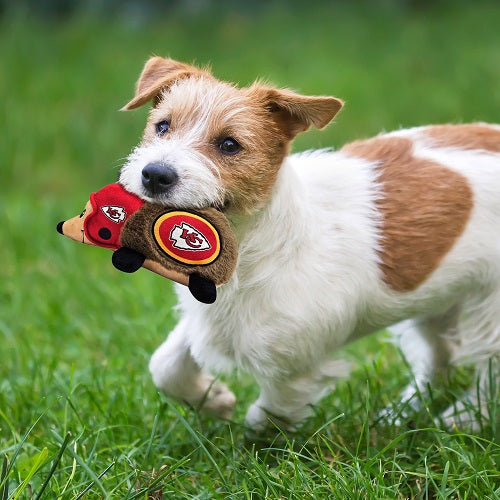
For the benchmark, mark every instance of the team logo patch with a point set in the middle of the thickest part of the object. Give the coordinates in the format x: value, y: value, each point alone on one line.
x: 187, y: 238
x: 114, y: 213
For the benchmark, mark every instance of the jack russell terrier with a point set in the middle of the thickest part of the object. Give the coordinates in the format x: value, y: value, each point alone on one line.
x: 402, y: 229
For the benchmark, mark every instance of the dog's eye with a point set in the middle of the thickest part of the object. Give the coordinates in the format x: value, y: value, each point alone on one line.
x: 229, y: 146
x: 162, y: 127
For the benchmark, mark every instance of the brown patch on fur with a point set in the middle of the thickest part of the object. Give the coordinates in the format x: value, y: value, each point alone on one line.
x: 475, y: 136
x: 425, y: 208
x: 248, y: 177
x: 295, y: 113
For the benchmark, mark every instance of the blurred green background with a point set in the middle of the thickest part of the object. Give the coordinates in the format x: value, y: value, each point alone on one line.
x: 75, y: 335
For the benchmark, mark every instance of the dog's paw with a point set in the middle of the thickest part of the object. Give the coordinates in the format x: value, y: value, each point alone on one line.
x: 256, y: 418
x: 219, y: 401
x: 261, y: 421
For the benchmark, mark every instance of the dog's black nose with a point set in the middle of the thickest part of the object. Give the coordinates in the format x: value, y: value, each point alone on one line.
x: 157, y: 178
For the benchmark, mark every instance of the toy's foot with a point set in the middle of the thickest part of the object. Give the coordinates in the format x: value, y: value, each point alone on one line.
x: 202, y: 289
x: 127, y: 260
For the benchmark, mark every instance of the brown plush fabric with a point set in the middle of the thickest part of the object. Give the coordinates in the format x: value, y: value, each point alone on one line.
x: 137, y: 234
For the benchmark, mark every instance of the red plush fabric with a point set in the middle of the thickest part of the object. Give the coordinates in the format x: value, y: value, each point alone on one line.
x: 112, y: 206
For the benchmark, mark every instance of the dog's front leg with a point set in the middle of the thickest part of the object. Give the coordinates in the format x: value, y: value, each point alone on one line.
x: 285, y: 402
x: 177, y: 374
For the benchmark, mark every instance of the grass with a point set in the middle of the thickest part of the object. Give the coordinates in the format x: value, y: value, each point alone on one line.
x: 79, y: 415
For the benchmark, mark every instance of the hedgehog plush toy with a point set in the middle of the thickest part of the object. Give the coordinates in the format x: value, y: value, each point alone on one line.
x: 195, y: 248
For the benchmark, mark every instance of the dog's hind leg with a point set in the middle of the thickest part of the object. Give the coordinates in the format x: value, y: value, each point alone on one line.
x: 177, y: 374
x: 478, y: 343
x: 426, y: 347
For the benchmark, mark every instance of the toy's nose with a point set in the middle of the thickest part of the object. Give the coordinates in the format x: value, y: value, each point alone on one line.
x: 158, y: 178
x: 60, y: 227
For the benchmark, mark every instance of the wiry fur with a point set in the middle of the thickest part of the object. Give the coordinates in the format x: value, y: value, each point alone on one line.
x: 311, y: 248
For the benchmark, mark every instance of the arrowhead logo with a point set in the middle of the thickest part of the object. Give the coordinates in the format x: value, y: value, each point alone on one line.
x: 186, y: 237
x: 114, y: 213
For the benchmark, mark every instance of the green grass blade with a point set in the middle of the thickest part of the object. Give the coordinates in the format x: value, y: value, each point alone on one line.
x: 40, y: 459
x: 18, y: 449
x: 82, y: 464
x: 80, y: 495
x: 444, y: 479
x: 197, y: 438
x: 4, y: 489
x: 54, y: 466
x: 168, y: 470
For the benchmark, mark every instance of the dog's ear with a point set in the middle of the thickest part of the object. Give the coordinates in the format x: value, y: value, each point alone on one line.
x: 159, y: 73
x: 295, y: 113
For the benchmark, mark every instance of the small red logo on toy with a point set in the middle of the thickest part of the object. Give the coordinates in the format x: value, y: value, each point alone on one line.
x: 187, y: 238
x: 114, y: 213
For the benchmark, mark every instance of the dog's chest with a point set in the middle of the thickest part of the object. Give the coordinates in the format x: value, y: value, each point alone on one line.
x: 269, y: 320
x: 241, y: 326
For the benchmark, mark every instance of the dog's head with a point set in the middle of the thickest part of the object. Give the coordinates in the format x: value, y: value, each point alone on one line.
x: 209, y: 143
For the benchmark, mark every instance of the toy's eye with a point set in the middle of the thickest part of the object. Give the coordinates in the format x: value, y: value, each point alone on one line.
x: 162, y: 127
x: 229, y: 146
x: 104, y: 233
x: 83, y: 213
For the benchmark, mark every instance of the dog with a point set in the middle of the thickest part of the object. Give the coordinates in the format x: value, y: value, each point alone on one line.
x: 401, y: 229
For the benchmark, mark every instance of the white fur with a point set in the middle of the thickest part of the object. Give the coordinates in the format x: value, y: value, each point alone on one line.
x: 308, y: 282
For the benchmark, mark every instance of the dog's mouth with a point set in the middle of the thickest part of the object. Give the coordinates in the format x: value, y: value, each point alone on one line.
x: 182, y: 191
x: 169, y: 201
x: 189, y: 186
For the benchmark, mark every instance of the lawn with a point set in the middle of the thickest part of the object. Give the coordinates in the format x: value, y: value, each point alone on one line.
x: 79, y: 415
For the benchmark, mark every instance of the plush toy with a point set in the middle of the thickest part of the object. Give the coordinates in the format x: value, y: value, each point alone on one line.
x: 195, y: 248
